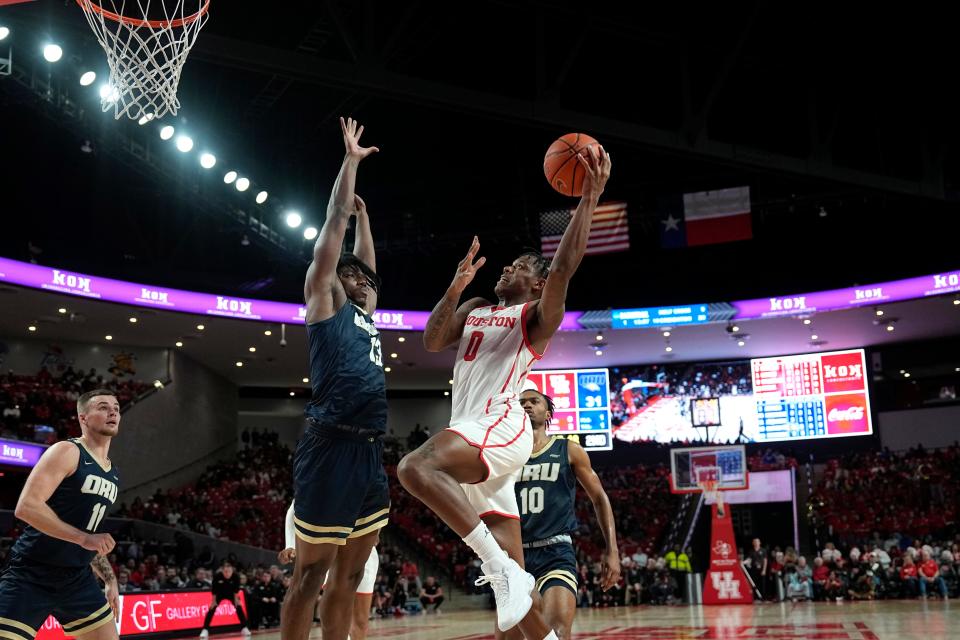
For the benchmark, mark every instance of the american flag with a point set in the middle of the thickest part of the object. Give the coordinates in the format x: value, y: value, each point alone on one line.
x: 608, y: 232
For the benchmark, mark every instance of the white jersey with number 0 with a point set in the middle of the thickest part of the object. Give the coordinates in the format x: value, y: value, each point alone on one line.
x: 494, y: 358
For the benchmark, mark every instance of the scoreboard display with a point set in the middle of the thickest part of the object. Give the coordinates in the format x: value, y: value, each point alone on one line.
x: 581, y: 399
x: 817, y: 395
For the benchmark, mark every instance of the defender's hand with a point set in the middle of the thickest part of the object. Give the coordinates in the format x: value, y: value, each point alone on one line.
x: 597, y: 164
x: 351, y: 140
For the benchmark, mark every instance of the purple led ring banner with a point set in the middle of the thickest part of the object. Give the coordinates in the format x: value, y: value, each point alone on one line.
x: 898, y: 290
x: 20, y: 454
x: 144, y: 295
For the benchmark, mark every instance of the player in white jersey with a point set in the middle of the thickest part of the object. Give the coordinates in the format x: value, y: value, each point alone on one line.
x: 466, y: 473
x: 361, y: 603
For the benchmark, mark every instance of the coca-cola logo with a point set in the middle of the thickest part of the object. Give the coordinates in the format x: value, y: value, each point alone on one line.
x: 845, y: 415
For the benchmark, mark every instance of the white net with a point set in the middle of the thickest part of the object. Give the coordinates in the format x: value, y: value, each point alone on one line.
x: 146, y: 42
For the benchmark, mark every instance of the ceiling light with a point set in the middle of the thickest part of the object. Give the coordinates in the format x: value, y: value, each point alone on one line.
x: 166, y: 131
x: 184, y: 143
x: 734, y: 328
x: 88, y: 78
x: 310, y: 233
x: 598, y: 352
x: 133, y: 320
x: 292, y: 394
x: 179, y: 344
x: 253, y: 349
x: 599, y: 337
x: 814, y: 336
x: 401, y: 339
x: 52, y: 52
x: 446, y: 393
x: 268, y: 332
x: 207, y: 160
x: 666, y: 334
x: 393, y: 355
x: 906, y: 375
x: 262, y: 197
x: 306, y: 380
x: 229, y: 176
x: 294, y: 219
x: 889, y: 327
x: 61, y: 310
x: 956, y: 301
x: 4, y: 32
x: 145, y: 118
x: 108, y: 338
x: 239, y: 364
x: 450, y: 381
x: 387, y: 369
x: 807, y: 321
x: 242, y: 184
x: 740, y: 343
x: 32, y: 328
x: 200, y: 327
x: 879, y: 312
x: 668, y: 349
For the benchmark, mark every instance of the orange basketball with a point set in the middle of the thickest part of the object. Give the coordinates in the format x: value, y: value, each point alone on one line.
x: 561, y: 167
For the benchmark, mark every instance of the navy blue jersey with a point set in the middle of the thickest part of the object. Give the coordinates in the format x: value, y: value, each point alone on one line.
x: 81, y: 500
x: 546, y: 491
x: 346, y: 371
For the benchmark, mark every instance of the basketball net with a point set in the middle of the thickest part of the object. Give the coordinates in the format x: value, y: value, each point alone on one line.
x: 708, y: 479
x: 145, y: 56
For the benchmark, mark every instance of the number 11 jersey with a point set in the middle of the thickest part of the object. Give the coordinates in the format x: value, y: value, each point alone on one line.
x: 81, y: 500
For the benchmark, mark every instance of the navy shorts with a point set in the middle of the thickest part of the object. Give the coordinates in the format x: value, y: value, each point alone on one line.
x: 340, y: 487
x: 30, y: 592
x: 554, y: 565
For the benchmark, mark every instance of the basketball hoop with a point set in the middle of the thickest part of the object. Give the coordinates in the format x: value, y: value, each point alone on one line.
x: 708, y: 479
x: 145, y: 56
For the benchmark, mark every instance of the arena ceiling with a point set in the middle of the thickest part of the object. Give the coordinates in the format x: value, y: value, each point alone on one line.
x: 224, y: 342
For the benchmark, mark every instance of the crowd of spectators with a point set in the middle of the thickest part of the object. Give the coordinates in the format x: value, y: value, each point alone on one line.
x: 232, y: 499
x: 898, y: 567
x: 915, y: 493
x: 43, y: 407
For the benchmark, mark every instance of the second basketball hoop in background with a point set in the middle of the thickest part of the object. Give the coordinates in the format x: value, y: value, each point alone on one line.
x: 147, y: 43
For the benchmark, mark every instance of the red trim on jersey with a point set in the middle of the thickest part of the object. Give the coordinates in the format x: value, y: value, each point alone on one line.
x: 509, y: 375
x: 526, y: 338
x: 499, y: 513
x: 523, y: 428
x: 477, y: 446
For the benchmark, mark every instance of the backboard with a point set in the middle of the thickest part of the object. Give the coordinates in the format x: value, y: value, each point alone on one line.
x: 687, y: 465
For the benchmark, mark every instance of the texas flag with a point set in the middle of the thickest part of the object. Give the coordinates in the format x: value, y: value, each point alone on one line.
x: 705, y: 217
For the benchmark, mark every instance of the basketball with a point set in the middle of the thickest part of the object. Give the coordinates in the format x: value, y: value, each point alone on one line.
x: 560, y: 165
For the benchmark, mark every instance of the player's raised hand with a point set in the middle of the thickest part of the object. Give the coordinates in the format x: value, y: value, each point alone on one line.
x: 102, y: 543
x: 610, y: 569
x: 597, y: 163
x: 467, y: 268
x: 351, y: 139
x: 359, y: 206
x: 287, y: 556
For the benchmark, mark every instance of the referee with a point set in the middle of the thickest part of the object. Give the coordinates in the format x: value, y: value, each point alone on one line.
x: 226, y: 585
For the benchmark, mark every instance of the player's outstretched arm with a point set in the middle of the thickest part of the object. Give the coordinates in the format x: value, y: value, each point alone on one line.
x: 601, y: 506
x: 58, y: 462
x: 445, y: 325
x: 321, y: 291
x: 545, y: 322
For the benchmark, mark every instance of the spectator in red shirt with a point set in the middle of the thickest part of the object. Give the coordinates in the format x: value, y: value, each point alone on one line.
x: 820, y: 574
x: 410, y: 571
x: 908, y: 576
x: 930, y: 575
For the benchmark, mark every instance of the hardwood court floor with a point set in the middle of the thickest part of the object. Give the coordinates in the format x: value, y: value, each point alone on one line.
x: 883, y: 620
